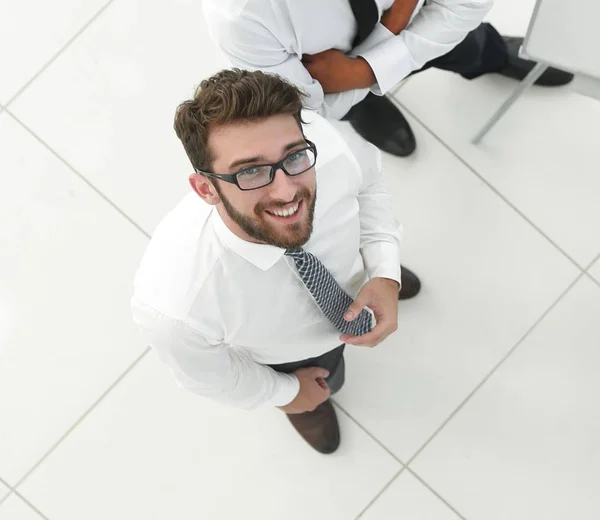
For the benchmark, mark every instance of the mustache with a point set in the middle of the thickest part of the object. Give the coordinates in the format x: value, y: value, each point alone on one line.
x: 302, y: 194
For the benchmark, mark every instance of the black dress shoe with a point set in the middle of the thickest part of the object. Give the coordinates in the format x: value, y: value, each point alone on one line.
x: 378, y: 121
x: 411, y: 285
x: 319, y: 428
x: 518, y: 68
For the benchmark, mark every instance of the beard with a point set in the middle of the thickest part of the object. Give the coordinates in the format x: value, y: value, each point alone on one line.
x: 289, y: 236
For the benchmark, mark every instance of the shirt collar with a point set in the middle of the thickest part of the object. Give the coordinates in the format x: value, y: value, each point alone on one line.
x: 263, y: 256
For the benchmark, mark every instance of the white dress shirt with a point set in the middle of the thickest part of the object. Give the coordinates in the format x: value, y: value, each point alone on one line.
x: 217, y: 308
x: 273, y: 35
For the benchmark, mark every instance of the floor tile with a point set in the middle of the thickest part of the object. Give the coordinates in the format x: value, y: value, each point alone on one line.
x: 511, y: 17
x: 408, y: 498
x: 542, y: 156
x: 16, y: 509
x: 32, y: 32
x: 485, y: 274
x: 114, y: 94
x: 595, y: 270
x: 527, y: 444
x: 152, y: 450
x: 65, y: 281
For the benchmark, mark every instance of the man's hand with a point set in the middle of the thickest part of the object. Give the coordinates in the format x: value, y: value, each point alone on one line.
x: 337, y: 72
x: 381, y: 296
x: 396, y: 18
x: 313, y: 390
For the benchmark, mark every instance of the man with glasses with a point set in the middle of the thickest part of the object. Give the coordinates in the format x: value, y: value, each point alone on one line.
x: 251, y: 287
x: 346, y: 54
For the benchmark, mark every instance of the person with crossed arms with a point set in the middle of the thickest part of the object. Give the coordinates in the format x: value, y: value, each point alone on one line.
x: 346, y: 54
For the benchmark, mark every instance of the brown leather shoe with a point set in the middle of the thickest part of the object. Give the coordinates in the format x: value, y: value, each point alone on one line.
x: 411, y: 284
x: 319, y: 428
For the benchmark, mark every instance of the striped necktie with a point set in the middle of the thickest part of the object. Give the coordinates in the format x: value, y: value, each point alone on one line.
x: 328, y: 294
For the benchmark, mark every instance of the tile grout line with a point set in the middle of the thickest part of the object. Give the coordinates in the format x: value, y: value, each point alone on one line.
x: 76, y: 172
x: 4, y: 483
x: 597, y: 282
x: 381, y: 445
x: 493, y: 370
x: 486, y: 182
x: 591, y: 264
x: 81, y: 418
x: 435, y: 492
x: 4, y: 499
x: 58, y: 53
x: 42, y: 515
x: 382, y: 490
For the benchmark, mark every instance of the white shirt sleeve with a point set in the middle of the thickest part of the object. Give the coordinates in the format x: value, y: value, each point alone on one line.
x: 210, y: 368
x: 249, y: 45
x: 437, y: 28
x: 380, y: 232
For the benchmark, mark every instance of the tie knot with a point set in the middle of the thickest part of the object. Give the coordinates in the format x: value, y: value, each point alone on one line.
x: 296, y: 252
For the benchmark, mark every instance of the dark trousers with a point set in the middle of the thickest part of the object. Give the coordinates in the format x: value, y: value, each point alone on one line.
x: 333, y: 361
x: 482, y: 51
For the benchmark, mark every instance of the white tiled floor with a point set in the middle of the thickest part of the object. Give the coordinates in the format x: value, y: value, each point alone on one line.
x: 201, y: 460
x: 3, y: 491
x: 595, y: 271
x: 114, y: 93
x: 499, y: 234
x: 16, y: 509
x: 65, y: 277
x: 32, y: 32
x: 408, y: 498
x: 526, y: 445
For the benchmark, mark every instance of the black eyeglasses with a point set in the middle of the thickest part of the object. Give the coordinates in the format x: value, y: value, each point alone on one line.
x: 261, y: 175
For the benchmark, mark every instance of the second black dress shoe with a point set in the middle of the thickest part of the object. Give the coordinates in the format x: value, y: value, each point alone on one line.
x: 518, y: 68
x: 378, y: 121
x: 411, y: 285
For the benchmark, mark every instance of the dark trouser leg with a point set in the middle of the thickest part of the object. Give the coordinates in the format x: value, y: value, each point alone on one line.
x: 333, y: 361
x: 482, y: 51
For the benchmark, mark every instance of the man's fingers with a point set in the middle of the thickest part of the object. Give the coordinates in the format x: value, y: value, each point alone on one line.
x: 356, y: 306
x: 370, y: 339
x: 321, y: 382
x: 316, y: 372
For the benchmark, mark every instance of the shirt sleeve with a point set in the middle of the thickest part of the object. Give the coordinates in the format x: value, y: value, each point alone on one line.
x: 249, y: 45
x: 380, y: 232
x: 438, y: 27
x: 211, y: 368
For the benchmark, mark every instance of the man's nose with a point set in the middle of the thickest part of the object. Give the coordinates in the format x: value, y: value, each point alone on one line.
x: 282, y: 187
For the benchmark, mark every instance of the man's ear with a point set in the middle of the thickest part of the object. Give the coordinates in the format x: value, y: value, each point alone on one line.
x: 204, y: 188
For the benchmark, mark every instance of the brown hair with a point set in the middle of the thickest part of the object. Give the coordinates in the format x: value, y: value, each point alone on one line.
x: 230, y: 96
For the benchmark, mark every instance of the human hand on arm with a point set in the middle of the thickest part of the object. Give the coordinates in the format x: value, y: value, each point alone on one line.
x: 249, y: 45
x: 337, y: 72
x: 313, y: 390
x: 396, y: 18
x: 381, y: 296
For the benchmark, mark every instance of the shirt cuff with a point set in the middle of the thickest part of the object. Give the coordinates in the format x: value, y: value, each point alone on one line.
x: 382, y: 260
x: 390, y: 61
x: 289, y: 386
x: 379, y: 34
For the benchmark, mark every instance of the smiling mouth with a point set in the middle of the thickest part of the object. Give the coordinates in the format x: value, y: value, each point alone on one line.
x: 288, y: 212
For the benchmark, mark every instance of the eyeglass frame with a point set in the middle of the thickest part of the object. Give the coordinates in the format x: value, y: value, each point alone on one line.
x: 232, y: 177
